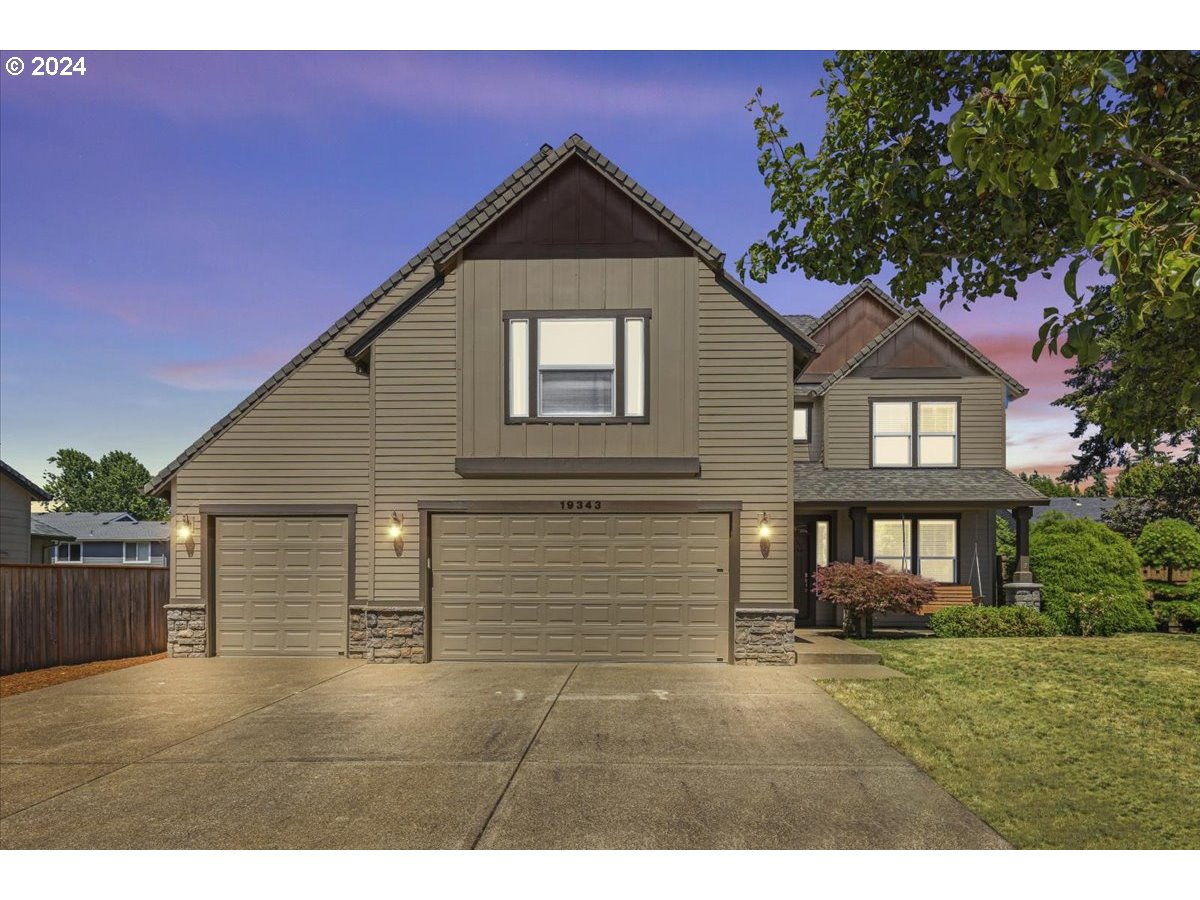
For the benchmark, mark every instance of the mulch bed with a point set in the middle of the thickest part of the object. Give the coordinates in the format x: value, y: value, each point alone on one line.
x: 20, y: 682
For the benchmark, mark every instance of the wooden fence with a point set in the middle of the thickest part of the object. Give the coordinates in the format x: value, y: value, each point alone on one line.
x: 64, y: 614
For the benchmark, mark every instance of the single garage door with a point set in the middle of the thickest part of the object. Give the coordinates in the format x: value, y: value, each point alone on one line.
x: 581, y: 587
x: 281, y: 585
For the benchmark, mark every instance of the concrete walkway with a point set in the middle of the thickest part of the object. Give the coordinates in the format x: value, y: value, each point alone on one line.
x: 226, y: 753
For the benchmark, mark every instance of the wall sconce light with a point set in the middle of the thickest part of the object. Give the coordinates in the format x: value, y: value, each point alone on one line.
x: 396, y: 533
x: 764, y: 535
x: 186, y: 534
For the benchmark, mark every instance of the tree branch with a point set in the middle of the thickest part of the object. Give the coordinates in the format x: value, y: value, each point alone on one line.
x: 1157, y: 165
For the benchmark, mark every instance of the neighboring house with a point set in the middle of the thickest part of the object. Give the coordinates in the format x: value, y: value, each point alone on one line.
x: 1076, y: 507
x: 44, y: 537
x: 100, y: 539
x: 564, y: 431
x: 16, y: 494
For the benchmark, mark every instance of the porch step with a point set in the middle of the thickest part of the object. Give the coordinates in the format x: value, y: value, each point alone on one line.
x: 815, y: 647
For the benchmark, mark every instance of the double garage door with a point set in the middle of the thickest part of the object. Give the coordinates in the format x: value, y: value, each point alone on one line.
x: 583, y: 586
x: 516, y: 586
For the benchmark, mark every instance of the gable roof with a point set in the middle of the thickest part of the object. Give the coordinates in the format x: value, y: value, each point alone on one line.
x: 470, y: 224
x: 914, y: 314
x: 864, y: 286
x: 36, y: 492
x: 40, y: 528
x: 102, y: 526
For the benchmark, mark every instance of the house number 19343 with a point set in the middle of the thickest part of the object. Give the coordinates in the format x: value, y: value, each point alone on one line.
x: 593, y: 505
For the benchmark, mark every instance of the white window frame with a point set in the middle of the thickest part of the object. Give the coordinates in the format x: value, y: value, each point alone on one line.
x: 523, y: 367
x: 135, y: 561
x: 915, y: 433
x: 911, y: 558
x: 68, y: 561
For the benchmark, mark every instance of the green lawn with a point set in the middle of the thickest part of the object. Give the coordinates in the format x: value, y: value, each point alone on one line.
x: 1055, y: 742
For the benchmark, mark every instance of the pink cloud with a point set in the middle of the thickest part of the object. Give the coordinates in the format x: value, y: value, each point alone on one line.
x: 239, y: 372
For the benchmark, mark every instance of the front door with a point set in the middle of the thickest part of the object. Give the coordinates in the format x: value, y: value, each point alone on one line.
x: 813, y: 534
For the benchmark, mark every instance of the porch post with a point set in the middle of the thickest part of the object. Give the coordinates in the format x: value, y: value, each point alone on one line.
x: 858, y: 523
x: 1022, y: 571
x: 1022, y: 590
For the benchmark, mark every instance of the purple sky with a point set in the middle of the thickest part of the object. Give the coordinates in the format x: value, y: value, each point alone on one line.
x: 175, y: 226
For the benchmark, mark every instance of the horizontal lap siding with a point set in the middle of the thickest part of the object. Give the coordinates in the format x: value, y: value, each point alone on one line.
x: 980, y: 430
x: 14, y: 522
x: 744, y: 437
x: 306, y: 442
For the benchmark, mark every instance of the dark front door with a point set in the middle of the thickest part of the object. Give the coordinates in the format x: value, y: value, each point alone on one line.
x: 813, y: 536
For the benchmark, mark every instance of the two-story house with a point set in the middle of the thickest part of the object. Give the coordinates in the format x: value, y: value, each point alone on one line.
x: 563, y: 432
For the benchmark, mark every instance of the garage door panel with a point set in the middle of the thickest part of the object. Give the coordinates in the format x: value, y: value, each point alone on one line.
x: 281, y: 585
x: 589, y: 586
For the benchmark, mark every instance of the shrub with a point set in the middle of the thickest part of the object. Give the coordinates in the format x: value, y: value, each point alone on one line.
x: 1162, y: 591
x: 1171, y: 544
x: 1084, y: 613
x: 1181, y: 614
x: 1079, y: 556
x: 862, y: 589
x: 991, y: 621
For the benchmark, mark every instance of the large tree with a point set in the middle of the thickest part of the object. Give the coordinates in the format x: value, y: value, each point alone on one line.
x: 112, y: 483
x: 973, y: 171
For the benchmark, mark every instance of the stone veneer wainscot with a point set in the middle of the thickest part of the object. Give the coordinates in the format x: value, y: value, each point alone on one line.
x: 764, y: 637
x: 187, y: 630
x: 387, y: 634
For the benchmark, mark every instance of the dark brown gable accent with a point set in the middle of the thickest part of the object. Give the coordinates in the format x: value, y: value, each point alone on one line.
x: 917, y: 351
x: 576, y: 213
x: 848, y: 332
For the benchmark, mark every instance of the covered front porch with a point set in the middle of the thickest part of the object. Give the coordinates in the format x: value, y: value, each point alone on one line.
x: 939, y: 524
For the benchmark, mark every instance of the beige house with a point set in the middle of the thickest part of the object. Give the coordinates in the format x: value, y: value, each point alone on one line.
x: 563, y: 432
x: 17, y: 493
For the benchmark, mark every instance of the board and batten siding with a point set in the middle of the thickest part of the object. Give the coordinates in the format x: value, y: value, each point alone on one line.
x: 847, y: 417
x: 15, y: 517
x: 308, y: 441
x: 667, y: 287
x: 742, y: 376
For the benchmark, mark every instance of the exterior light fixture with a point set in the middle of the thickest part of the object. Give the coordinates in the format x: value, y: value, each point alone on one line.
x: 764, y: 535
x: 395, y: 532
x: 185, y: 534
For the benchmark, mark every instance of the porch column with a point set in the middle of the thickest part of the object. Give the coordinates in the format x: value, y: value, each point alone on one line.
x: 858, y: 529
x: 1022, y: 571
x: 1022, y: 590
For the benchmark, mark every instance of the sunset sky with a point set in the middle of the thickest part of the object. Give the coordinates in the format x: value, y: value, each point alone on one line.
x: 174, y: 227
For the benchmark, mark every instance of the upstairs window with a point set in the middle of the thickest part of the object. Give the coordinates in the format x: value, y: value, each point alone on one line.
x: 907, y: 433
x: 577, y: 368
x: 802, y: 424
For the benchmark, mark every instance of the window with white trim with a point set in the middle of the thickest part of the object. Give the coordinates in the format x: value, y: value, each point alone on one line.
x: 908, y: 433
x: 68, y: 553
x: 802, y: 424
x: 927, y: 546
x: 137, y: 551
x: 577, y: 368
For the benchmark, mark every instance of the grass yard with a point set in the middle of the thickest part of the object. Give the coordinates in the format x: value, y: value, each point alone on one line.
x: 1054, y: 742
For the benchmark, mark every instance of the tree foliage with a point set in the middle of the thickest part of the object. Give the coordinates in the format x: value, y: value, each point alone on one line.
x: 1079, y: 558
x: 862, y: 589
x: 973, y: 171
x: 1170, y: 543
x: 114, y: 482
x: 1155, y: 488
x: 1049, y: 487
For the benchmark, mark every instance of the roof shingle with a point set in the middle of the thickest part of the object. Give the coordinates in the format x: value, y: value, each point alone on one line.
x: 817, y: 484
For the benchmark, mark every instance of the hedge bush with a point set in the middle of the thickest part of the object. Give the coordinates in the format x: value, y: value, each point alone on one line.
x: 1078, y: 557
x: 991, y: 621
x: 1161, y: 591
x: 1182, y: 614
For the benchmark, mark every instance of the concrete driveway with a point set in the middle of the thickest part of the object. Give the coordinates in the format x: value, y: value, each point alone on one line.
x: 257, y: 753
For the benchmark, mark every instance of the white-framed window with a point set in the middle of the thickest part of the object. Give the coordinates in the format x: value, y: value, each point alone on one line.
x: 802, y: 424
x: 577, y: 368
x: 137, y: 551
x: 927, y: 546
x: 821, y: 542
x: 908, y: 433
x: 68, y: 553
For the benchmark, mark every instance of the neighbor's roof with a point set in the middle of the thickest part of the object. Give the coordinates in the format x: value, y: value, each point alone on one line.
x: 816, y: 484
x: 37, y: 492
x: 917, y: 312
x: 472, y: 223
x: 102, y: 526
x: 40, y: 528
x: 1075, y: 507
